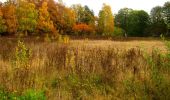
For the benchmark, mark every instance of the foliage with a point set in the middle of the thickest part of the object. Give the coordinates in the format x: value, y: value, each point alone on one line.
x: 106, y: 21
x: 156, y: 14
x: 158, y: 25
x: 27, y: 95
x: 51, y: 17
x: 134, y: 22
x: 33, y: 95
x: 10, y: 17
x: 166, y: 15
x: 83, y: 29
x: 121, y: 18
x: 118, y: 32
x: 137, y: 23
x: 89, y: 16
x: 63, y: 17
x: 3, y: 27
x: 83, y: 14
x: 27, y: 17
x: 45, y: 24
x: 156, y: 29
x: 22, y: 56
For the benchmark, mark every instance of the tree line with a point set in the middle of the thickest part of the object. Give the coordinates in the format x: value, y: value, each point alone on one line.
x: 42, y: 17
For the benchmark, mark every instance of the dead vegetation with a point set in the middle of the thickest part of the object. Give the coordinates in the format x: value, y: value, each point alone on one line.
x: 86, y: 69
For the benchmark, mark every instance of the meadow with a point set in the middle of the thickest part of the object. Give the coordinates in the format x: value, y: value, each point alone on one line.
x: 84, y: 69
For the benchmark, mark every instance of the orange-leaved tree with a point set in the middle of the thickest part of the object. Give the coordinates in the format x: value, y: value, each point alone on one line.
x: 9, y: 14
x: 2, y: 22
x: 63, y: 17
x: 45, y: 24
x: 83, y: 29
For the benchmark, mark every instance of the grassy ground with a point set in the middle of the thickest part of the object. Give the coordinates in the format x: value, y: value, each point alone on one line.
x: 146, y: 45
x: 84, y: 69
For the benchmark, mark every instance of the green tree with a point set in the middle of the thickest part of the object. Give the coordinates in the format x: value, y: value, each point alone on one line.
x: 79, y: 11
x: 158, y: 25
x: 166, y: 15
x: 106, y: 21
x: 137, y: 23
x: 121, y: 19
x: 156, y: 14
x: 83, y: 14
x: 27, y: 17
x: 101, y: 22
x: 88, y: 16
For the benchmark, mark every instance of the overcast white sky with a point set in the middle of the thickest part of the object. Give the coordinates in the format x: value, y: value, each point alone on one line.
x: 96, y: 5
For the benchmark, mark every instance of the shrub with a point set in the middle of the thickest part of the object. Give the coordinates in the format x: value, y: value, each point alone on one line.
x: 33, y: 95
x: 83, y: 29
x: 22, y: 56
x: 118, y: 32
x: 27, y: 95
x: 63, y: 39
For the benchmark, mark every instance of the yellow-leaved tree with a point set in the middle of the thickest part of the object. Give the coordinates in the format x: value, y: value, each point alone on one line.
x: 106, y: 21
x: 45, y: 24
x: 27, y: 17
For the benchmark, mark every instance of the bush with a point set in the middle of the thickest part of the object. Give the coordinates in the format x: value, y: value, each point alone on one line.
x: 83, y: 29
x: 27, y: 95
x: 118, y: 32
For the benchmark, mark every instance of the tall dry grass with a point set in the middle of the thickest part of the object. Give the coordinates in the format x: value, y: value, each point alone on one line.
x: 84, y: 69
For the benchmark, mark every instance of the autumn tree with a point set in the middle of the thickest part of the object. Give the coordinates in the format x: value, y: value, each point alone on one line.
x: 69, y: 20
x: 63, y: 17
x: 83, y: 14
x: 52, y: 9
x: 2, y: 22
x: 89, y: 17
x: 45, y: 24
x: 27, y: 17
x: 83, y: 29
x: 9, y: 13
x: 106, y: 21
x: 79, y: 11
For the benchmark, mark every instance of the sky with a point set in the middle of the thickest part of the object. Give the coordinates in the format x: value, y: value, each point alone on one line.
x: 116, y: 5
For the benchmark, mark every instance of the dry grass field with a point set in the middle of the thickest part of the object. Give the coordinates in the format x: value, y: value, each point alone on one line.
x: 147, y: 45
x: 84, y: 70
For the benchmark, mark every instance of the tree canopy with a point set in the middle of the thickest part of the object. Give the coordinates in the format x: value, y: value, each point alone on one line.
x: 40, y: 17
x: 106, y: 21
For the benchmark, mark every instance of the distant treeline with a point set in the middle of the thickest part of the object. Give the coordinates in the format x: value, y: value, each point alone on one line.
x: 42, y: 17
